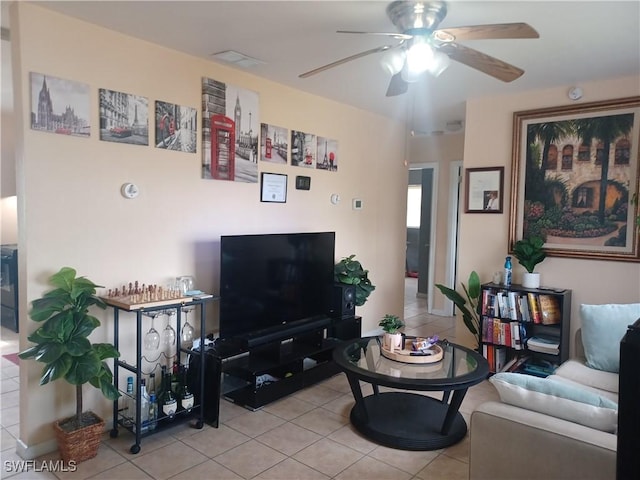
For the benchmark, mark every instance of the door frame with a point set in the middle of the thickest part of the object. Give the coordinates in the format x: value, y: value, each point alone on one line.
x: 455, y: 182
x: 432, y: 236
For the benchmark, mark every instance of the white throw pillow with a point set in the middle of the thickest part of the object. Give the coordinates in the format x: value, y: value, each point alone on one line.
x: 558, y: 400
x: 603, y: 326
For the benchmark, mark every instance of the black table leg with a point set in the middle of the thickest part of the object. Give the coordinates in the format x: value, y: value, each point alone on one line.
x: 452, y: 411
x: 357, y: 395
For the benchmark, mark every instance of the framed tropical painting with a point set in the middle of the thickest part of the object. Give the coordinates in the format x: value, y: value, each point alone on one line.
x: 575, y: 179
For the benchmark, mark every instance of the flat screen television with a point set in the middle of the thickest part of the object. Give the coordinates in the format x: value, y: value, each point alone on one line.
x: 273, y: 286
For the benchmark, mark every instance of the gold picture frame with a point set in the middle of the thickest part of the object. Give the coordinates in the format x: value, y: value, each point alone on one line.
x: 575, y: 179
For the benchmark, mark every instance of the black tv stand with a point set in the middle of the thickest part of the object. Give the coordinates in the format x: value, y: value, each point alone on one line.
x: 254, y: 377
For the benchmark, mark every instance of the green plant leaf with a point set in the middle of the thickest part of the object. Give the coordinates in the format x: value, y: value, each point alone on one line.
x: 452, y: 295
x: 50, y: 352
x: 63, y: 278
x: 105, y: 350
x: 59, y: 326
x: 474, y: 285
x: 83, y: 368
x: 78, y: 346
x: 30, y: 352
x: 55, y: 370
x: 85, y: 325
x: 43, y: 308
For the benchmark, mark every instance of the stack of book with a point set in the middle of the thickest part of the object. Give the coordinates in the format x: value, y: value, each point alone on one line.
x: 542, y: 344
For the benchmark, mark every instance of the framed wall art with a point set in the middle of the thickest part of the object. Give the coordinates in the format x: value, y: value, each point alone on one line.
x: 60, y: 106
x: 484, y: 190
x: 124, y: 117
x: 575, y: 177
x: 273, y: 187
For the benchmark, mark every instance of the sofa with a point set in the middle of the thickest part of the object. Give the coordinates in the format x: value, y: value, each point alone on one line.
x: 563, y: 426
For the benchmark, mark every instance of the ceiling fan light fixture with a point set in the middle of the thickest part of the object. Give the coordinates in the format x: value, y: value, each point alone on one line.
x: 393, y: 61
x: 439, y: 64
x: 419, y: 56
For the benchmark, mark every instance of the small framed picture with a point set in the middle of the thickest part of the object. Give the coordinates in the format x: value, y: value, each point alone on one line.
x: 273, y: 187
x: 484, y: 188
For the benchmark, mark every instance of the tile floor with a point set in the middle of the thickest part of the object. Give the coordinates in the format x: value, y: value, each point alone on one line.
x: 304, y: 436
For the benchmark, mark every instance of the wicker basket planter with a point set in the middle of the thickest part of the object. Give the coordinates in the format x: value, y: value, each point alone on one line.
x: 80, y: 444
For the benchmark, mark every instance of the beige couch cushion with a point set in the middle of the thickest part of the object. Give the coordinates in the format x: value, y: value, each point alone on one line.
x: 577, y: 371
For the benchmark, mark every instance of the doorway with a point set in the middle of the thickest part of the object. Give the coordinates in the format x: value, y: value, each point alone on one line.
x: 421, y: 208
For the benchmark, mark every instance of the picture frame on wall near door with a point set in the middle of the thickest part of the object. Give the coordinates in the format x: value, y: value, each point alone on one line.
x: 484, y: 190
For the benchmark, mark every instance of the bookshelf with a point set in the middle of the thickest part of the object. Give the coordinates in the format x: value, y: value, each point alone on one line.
x: 523, y: 329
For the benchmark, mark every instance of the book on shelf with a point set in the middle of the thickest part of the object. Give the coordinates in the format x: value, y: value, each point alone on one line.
x: 517, y: 363
x: 534, y: 307
x: 550, y: 313
x: 500, y: 358
x: 515, y: 335
x: 524, y: 308
x: 538, y: 367
x: 513, y: 306
x: 544, y: 344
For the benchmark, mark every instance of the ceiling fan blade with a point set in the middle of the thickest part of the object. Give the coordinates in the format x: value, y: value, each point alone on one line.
x: 399, y: 36
x: 397, y: 86
x: 481, y: 32
x: 345, y: 60
x: 482, y: 62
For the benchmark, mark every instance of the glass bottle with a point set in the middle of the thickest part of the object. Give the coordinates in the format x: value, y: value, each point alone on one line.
x: 144, y: 407
x: 507, y: 271
x: 153, y: 412
x: 169, y: 403
x: 152, y: 384
x: 174, y: 377
x: 160, y: 392
x: 184, y: 394
x: 129, y: 412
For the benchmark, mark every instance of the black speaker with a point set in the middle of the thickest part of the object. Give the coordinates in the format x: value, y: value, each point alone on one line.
x: 343, y: 302
x: 346, y: 328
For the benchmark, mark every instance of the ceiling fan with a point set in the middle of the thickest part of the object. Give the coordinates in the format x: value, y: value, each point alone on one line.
x: 424, y: 47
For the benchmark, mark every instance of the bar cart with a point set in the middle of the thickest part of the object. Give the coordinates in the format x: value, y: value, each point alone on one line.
x: 139, y: 309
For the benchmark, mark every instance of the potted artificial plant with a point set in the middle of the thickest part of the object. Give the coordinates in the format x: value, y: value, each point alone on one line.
x: 530, y: 253
x: 391, y: 324
x: 62, y: 344
x: 467, y: 306
x: 350, y: 272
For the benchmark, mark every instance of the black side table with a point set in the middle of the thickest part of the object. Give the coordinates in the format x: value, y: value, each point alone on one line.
x: 405, y: 420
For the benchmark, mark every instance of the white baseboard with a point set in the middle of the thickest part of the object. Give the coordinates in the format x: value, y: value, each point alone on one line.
x: 30, y: 452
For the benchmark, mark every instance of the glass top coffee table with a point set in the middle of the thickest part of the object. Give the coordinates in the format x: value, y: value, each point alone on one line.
x: 407, y: 420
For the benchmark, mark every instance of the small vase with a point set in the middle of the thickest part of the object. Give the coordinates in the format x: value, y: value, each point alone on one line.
x: 392, y: 341
x: 531, y: 280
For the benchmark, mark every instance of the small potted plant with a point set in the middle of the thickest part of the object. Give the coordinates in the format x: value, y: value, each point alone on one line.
x: 62, y: 344
x: 530, y: 253
x: 350, y: 272
x: 391, y: 324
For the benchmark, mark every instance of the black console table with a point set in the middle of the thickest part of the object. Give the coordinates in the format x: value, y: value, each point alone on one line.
x: 254, y: 377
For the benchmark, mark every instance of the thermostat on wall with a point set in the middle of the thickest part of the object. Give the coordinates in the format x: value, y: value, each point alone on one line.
x: 303, y: 183
x: 357, y: 204
x: 129, y: 190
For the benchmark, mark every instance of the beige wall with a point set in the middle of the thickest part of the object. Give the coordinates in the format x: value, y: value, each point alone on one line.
x: 484, y: 238
x: 72, y: 213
